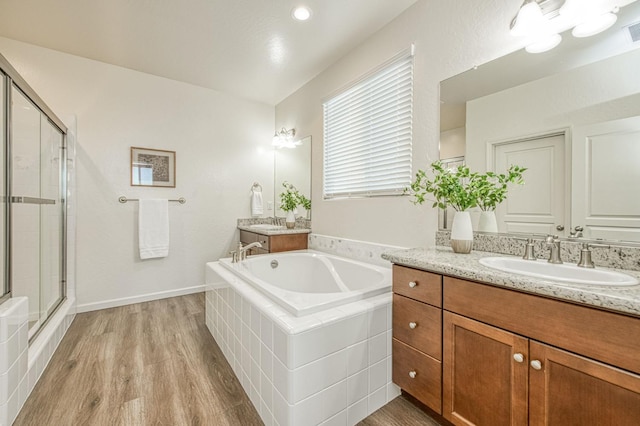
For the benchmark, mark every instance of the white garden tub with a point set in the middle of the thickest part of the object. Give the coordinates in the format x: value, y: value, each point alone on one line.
x: 307, y: 281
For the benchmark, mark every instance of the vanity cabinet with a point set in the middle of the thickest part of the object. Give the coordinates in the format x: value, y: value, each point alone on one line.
x: 417, y: 334
x: 513, y: 358
x: 274, y: 243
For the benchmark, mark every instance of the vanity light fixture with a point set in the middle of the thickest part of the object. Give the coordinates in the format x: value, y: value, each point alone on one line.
x: 533, y: 24
x: 591, y: 17
x: 542, y: 21
x: 284, y: 139
x: 301, y: 13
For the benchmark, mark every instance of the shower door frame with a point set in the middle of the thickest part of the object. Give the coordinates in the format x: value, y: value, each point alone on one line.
x: 11, y: 78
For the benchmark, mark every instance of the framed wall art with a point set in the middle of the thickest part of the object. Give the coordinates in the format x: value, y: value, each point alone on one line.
x: 153, y: 167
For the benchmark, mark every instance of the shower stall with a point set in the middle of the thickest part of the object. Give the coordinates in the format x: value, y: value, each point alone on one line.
x: 34, y: 178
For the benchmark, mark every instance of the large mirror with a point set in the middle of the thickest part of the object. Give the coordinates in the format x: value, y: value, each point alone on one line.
x: 293, y: 165
x: 572, y: 117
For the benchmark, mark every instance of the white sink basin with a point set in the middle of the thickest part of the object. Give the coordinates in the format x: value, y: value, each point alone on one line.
x: 565, y: 273
x: 267, y: 227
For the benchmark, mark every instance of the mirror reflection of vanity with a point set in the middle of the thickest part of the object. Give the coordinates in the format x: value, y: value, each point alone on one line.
x: 293, y: 165
x: 572, y: 117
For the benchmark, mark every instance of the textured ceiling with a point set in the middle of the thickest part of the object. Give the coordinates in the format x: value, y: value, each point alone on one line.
x: 249, y: 48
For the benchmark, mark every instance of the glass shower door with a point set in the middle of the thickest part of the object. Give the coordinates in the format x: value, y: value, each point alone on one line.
x: 36, y: 215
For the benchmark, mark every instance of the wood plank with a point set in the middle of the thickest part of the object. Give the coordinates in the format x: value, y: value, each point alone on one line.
x: 104, y: 373
x: 150, y: 363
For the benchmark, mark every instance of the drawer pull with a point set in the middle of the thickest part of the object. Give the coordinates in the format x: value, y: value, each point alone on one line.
x: 412, y: 374
x: 412, y: 284
x: 413, y: 325
x: 536, y: 365
x: 518, y: 357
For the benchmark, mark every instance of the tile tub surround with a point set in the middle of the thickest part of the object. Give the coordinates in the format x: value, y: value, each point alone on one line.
x: 302, y: 225
x: 618, y: 256
x: 444, y: 261
x: 331, y: 367
x: 21, y: 364
x: 353, y: 249
x: 14, y: 357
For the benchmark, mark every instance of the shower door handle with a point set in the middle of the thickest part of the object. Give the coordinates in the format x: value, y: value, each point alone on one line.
x: 32, y: 200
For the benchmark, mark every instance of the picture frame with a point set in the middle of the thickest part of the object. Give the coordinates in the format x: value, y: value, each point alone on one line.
x: 153, y: 167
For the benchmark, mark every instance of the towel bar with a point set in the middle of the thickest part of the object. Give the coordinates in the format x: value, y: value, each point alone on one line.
x: 124, y: 199
x: 256, y: 186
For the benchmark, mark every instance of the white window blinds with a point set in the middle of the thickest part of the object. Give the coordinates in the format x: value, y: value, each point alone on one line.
x: 367, y: 134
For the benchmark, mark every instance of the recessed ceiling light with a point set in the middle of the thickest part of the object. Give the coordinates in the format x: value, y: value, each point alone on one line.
x: 301, y: 13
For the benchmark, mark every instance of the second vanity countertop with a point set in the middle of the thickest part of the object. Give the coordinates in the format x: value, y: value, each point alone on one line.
x: 270, y: 232
x: 444, y: 261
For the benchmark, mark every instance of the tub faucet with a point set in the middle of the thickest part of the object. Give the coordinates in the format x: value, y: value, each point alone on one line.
x: 553, y: 243
x: 240, y: 253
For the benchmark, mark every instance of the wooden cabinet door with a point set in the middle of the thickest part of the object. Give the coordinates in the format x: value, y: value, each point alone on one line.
x: 484, y: 374
x: 569, y: 390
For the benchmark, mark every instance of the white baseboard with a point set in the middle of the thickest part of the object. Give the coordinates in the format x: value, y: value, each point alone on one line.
x: 113, y: 303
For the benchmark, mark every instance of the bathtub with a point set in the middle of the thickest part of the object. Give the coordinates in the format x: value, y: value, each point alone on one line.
x: 308, y: 339
x: 307, y: 281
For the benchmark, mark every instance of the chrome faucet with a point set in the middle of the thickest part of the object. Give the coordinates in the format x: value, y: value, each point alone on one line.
x: 240, y: 253
x: 553, y: 243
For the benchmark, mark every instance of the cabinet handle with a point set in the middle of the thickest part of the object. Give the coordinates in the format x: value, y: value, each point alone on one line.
x: 412, y: 374
x: 536, y: 365
x: 412, y: 284
x: 518, y: 357
x: 413, y: 325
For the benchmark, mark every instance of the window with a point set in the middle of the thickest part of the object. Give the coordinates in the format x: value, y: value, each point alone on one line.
x: 367, y: 134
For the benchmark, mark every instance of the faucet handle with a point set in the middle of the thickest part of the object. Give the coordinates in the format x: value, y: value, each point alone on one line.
x: 529, y: 253
x: 585, y: 254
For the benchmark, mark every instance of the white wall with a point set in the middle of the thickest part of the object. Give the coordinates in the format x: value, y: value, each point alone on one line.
x: 452, y: 143
x: 222, y: 144
x: 450, y: 37
x: 602, y: 91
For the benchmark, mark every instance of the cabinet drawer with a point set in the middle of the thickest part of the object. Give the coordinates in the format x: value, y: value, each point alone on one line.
x: 426, y: 336
x: 426, y: 384
x: 420, y: 285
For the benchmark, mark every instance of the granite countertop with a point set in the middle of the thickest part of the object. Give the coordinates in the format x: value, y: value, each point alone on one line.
x: 269, y: 232
x: 444, y: 261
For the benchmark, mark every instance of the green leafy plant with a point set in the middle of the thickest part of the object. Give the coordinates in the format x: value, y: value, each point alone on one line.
x: 291, y: 198
x: 449, y: 187
x: 490, y: 188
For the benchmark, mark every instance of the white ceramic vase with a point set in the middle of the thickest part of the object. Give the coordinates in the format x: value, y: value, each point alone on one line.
x: 462, y: 233
x: 290, y: 221
x: 488, y: 222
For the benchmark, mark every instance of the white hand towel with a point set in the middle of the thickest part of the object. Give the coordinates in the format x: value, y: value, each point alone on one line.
x: 153, y: 228
x: 256, y: 203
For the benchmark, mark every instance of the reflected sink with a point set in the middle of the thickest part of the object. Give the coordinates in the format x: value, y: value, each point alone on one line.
x: 565, y: 273
x: 267, y: 227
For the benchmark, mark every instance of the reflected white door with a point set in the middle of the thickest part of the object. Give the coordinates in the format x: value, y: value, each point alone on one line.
x: 605, y: 179
x: 538, y: 206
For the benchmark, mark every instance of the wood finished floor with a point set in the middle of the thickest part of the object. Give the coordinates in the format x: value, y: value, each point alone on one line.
x: 154, y: 363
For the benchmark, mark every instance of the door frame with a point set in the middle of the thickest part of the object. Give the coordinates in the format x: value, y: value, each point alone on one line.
x: 490, y: 157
